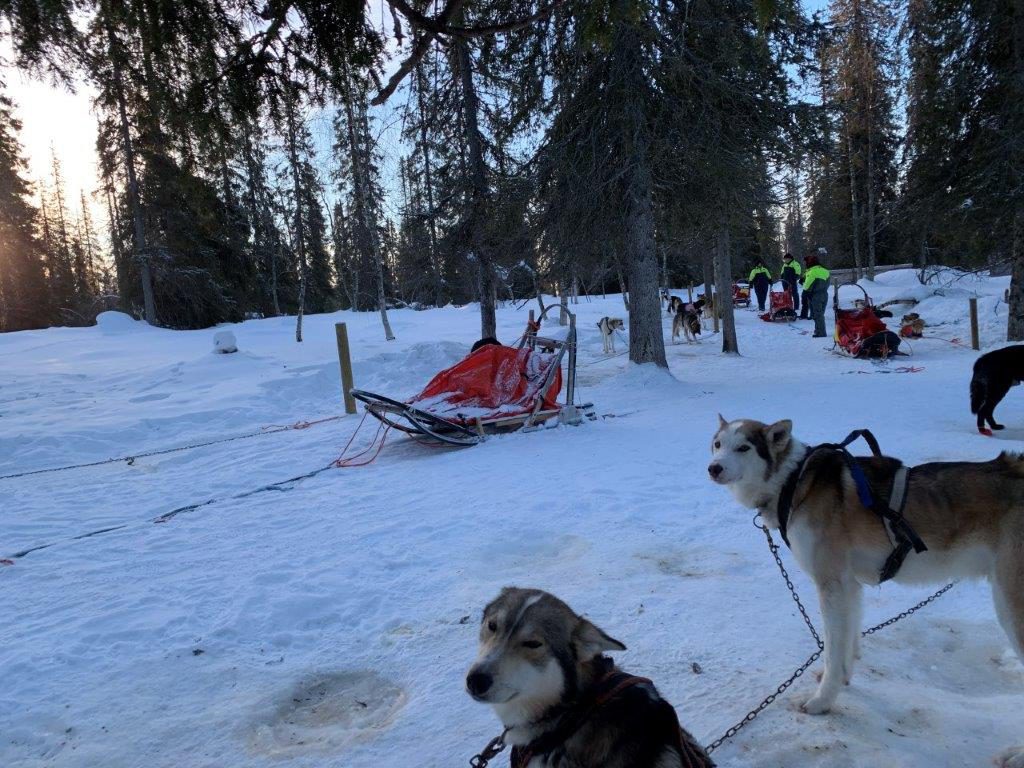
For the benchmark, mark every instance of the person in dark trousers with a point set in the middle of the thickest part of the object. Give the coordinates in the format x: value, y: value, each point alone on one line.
x: 761, y: 279
x: 791, y: 272
x: 816, y: 279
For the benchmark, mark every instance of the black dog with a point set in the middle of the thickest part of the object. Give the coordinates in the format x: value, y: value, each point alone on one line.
x: 994, y: 374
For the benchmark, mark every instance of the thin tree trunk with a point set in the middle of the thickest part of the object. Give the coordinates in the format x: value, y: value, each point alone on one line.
x: 428, y: 180
x: 359, y: 144
x: 134, y: 202
x: 300, y: 236
x: 478, y: 190
x: 723, y: 298
x: 871, y: 202
x: 623, y: 288
x: 853, y: 204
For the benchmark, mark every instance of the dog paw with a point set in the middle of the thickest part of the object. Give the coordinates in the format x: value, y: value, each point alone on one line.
x: 998, y: 426
x: 818, y: 705
x: 1011, y: 758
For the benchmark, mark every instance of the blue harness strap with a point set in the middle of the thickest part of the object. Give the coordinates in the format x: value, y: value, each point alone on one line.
x: 905, y: 536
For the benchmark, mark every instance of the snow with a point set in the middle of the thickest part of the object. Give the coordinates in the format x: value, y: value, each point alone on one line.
x: 330, y: 622
x: 225, y: 343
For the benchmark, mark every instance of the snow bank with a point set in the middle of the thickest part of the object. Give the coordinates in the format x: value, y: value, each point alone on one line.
x: 117, y: 322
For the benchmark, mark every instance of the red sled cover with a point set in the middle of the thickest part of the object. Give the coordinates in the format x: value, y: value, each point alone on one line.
x: 493, y: 382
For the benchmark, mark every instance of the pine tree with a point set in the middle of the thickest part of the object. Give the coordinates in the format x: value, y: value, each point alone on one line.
x: 24, y: 298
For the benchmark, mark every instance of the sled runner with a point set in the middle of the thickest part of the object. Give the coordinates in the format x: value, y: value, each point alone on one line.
x: 741, y: 294
x: 494, y: 389
x: 859, y: 331
x: 780, y: 304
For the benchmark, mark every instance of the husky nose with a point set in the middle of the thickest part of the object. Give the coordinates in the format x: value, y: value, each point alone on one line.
x: 715, y: 470
x: 478, y: 683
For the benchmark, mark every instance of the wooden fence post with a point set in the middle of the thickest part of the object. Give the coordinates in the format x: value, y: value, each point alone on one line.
x: 975, y: 338
x: 345, y: 360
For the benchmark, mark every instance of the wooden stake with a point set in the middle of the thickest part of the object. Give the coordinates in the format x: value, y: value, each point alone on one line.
x: 689, y: 293
x: 345, y: 360
x: 975, y: 338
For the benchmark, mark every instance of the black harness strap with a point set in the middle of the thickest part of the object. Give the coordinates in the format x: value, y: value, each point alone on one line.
x: 903, y: 533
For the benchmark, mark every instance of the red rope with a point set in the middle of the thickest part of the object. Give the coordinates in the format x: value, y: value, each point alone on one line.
x: 376, y: 445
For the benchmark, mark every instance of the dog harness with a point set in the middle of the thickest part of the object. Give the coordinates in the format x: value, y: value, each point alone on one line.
x: 900, y: 532
x: 611, y: 685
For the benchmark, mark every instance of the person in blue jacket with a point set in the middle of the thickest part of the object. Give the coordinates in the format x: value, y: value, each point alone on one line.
x: 761, y: 279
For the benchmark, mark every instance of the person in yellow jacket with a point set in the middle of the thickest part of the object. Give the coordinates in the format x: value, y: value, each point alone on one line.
x: 816, y: 279
x: 761, y: 279
x: 790, y: 276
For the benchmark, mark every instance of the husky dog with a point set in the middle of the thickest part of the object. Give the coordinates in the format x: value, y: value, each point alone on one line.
x: 687, y: 321
x: 561, y: 700
x: 994, y: 374
x: 608, y: 326
x: 969, y: 514
x: 674, y: 303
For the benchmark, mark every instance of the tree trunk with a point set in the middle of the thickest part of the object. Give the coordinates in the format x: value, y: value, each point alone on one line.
x: 300, y: 235
x: 134, y: 201
x: 428, y: 180
x: 1015, y: 323
x: 854, y: 210
x: 871, y: 202
x: 623, y: 288
x: 370, y: 221
x: 708, y: 267
x: 478, y: 190
x: 723, y: 298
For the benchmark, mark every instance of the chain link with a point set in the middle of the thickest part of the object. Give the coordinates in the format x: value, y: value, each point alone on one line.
x: 768, y: 700
x: 494, y: 747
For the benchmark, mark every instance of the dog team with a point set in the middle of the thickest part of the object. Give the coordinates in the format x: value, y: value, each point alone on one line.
x: 850, y: 522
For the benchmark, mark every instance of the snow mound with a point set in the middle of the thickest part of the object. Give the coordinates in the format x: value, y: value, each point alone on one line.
x: 116, y: 322
x: 224, y: 342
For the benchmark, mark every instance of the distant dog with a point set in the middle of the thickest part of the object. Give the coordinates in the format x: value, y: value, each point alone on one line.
x: 562, y: 701
x: 994, y: 374
x: 968, y: 514
x: 687, y: 321
x: 608, y: 326
x: 674, y: 303
x: 912, y: 326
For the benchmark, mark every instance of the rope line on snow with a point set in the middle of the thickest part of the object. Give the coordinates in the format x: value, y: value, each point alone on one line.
x: 342, y: 462
x: 130, y: 460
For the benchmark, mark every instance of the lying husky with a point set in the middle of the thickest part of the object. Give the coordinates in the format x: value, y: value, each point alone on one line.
x: 687, y: 321
x: 608, y: 326
x: 994, y: 374
x: 970, y: 515
x: 562, y: 701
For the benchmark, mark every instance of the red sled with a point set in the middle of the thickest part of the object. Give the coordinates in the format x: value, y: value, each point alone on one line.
x: 494, y: 389
x: 741, y: 294
x: 860, y: 332
x: 781, y: 308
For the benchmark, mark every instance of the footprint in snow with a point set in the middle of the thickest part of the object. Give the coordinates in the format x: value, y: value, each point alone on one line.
x: 327, y: 711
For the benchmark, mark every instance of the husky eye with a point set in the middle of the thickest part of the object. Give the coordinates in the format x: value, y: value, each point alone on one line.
x: 492, y: 625
x: 743, y: 448
x: 718, y: 444
x: 532, y: 643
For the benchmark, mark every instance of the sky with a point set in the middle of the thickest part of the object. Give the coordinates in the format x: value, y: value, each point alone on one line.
x: 56, y: 117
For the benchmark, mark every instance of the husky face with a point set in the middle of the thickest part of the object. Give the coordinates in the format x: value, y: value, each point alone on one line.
x: 747, y: 455
x: 532, y: 648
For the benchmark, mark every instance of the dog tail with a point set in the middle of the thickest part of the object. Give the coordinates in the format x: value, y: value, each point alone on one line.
x: 979, y: 388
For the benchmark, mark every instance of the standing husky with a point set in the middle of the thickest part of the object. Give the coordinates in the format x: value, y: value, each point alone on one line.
x: 687, y: 321
x: 608, y: 326
x: 969, y: 514
x: 994, y: 374
x: 562, y: 701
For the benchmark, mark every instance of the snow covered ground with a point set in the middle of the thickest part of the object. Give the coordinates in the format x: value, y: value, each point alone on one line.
x: 330, y: 623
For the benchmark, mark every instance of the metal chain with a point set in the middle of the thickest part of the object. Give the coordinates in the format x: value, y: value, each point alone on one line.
x: 752, y: 714
x: 494, y: 747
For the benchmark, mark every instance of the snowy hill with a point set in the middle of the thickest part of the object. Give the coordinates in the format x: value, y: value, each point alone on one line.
x: 330, y: 622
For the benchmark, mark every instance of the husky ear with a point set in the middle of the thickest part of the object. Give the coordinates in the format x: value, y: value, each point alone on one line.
x: 589, y: 641
x: 778, y: 434
x: 721, y: 421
